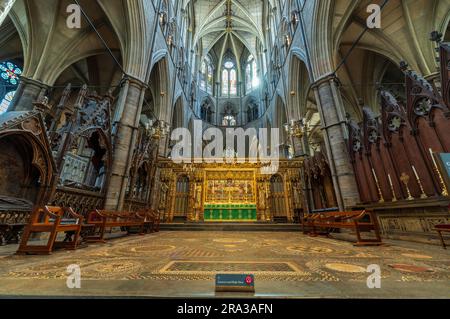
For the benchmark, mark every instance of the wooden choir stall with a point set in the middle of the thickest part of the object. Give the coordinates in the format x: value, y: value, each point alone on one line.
x: 396, y: 155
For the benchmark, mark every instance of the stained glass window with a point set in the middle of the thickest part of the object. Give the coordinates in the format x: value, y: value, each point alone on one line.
x: 233, y: 82
x: 210, y: 79
x: 10, y: 72
x: 255, y: 80
x: 251, y: 74
x: 202, y: 76
x: 207, y: 75
x: 248, y: 77
x: 225, y: 83
x: 229, y: 64
x: 6, y: 101
x: 9, y: 81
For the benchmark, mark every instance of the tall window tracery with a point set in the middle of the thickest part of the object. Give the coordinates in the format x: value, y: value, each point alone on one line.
x: 251, y: 74
x: 229, y: 78
x: 207, y: 76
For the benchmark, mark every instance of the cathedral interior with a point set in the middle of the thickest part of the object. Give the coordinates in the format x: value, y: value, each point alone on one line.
x: 158, y: 143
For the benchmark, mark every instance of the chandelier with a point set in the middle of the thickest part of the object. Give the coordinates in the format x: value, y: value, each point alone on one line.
x: 157, y: 129
x: 295, y: 128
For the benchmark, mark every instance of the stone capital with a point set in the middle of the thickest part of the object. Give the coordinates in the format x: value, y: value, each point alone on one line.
x: 327, y: 78
x: 135, y: 82
x: 29, y: 81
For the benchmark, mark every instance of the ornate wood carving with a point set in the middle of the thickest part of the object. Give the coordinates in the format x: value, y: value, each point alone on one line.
x: 25, y: 132
x: 318, y: 176
x: 399, y: 144
x: 445, y: 72
x: 85, y: 124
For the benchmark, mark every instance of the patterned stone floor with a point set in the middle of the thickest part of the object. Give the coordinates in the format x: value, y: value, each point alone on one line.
x: 179, y: 264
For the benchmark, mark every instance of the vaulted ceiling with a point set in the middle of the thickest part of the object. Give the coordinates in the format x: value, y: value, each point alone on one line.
x: 229, y: 21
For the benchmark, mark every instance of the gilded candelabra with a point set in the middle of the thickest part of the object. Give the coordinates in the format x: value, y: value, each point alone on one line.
x: 380, y: 194
x: 422, y: 195
x: 394, y: 198
x: 441, y: 179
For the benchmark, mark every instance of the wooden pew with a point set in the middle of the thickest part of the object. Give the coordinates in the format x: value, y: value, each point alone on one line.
x: 51, y: 220
x: 440, y: 229
x: 102, y: 219
x: 360, y: 221
x: 156, y: 220
x: 151, y: 220
x: 308, y: 221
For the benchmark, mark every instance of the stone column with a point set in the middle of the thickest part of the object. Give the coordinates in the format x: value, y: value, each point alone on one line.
x: 126, y: 129
x: 27, y: 93
x: 5, y: 7
x: 335, y: 133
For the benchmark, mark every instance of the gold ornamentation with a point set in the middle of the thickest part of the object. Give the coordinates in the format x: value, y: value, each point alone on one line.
x: 380, y: 194
x: 441, y: 179
x: 422, y: 195
x: 405, y: 179
x: 394, y: 198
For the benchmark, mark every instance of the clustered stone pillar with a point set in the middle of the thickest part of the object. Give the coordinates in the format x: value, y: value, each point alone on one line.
x: 5, y: 7
x: 335, y: 133
x: 27, y: 93
x: 127, y: 118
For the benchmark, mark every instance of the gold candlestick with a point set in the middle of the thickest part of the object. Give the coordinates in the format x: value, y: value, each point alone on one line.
x: 423, y: 195
x: 394, y: 198
x: 405, y: 179
x: 441, y: 180
x: 378, y: 186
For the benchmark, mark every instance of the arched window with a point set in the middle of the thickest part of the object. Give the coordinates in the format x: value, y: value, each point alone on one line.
x: 225, y: 84
x: 9, y: 81
x: 206, y: 76
x: 6, y: 101
x: 233, y: 82
x: 210, y: 79
x: 202, y: 76
x: 251, y: 74
x: 229, y: 78
x: 248, y: 78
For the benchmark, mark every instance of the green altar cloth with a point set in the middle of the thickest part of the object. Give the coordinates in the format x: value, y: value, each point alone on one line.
x: 230, y: 213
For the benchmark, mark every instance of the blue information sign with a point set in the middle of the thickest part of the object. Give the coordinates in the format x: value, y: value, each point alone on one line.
x: 445, y: 158
x: 235, y: 283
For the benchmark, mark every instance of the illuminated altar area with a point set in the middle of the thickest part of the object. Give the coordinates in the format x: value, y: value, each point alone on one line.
x: 229, y: 195
x: 229, y: 192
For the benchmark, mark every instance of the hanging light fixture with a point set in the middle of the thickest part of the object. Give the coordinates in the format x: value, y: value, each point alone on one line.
x: 295, y: 128
x: 157, y: 129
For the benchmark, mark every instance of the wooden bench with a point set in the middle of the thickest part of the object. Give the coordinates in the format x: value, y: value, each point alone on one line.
x: 440, y: 229
x: 51, y: 220
x: 102, y: 219
x: 360, y: 221
x: 308, y: 221
x: 151, y: 220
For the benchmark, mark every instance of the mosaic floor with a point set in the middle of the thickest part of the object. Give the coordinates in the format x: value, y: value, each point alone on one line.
x: 179, y: 264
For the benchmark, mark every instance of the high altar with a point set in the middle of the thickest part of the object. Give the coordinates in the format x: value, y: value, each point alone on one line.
x: 236, y: 192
